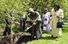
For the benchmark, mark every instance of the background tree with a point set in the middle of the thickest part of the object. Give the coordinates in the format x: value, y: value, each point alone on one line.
x: 18, y: 9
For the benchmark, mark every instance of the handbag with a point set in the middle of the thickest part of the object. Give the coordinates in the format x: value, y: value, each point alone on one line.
x: 59, y: 24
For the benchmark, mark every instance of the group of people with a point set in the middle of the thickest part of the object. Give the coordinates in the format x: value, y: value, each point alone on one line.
x: 57, y: 21
x: 50, y: 21
x: 53, y: 21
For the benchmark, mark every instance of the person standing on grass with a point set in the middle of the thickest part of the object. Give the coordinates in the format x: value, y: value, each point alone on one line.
x: 57, y: 16
x: 34, y: 19
x: 46, y: 20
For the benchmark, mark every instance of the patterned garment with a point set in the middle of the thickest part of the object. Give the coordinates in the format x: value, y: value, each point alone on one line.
x: 46, y: 22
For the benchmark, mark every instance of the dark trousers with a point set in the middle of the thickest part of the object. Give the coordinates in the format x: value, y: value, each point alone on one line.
x: 38, y: 30
x: 22, y: 25
x: 35, y: 31
x: 7, y: 31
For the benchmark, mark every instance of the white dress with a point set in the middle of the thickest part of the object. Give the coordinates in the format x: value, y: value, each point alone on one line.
x: 56, y: 32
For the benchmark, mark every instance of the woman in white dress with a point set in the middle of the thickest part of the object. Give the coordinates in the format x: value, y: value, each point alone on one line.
x: 57, y: 16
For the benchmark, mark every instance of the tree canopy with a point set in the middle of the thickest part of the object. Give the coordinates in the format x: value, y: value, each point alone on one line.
x: 18, y: 8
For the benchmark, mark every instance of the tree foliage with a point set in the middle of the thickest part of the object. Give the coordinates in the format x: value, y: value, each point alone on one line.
x: 16, y: 9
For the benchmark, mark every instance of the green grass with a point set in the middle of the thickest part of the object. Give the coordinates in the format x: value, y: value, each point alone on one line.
x: 47, y: 40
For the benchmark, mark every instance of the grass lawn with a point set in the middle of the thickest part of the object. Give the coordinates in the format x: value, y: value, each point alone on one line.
x: 47, y: 40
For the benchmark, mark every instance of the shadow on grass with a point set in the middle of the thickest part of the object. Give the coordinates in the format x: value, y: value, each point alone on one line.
x: 24, y: 39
